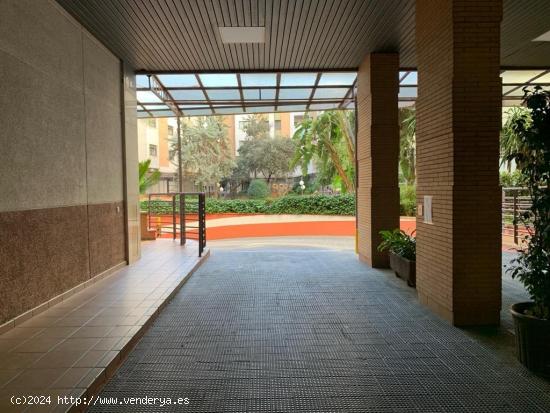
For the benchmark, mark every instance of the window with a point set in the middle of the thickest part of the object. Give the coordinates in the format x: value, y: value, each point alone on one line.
x: 153, y: 150
x: 277, y: 125
x: 152, y: 123
x: 170, y: 130
x: 297, y: 120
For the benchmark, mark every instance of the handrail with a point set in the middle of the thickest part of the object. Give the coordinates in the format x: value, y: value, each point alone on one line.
x: 179, y: 212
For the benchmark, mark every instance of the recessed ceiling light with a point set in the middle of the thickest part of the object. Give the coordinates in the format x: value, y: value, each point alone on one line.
x: 242, y: 34
x: 543, y: 37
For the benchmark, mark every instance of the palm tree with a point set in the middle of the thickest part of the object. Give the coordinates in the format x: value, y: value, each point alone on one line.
x: 330, y: 139
x: 147, y: 177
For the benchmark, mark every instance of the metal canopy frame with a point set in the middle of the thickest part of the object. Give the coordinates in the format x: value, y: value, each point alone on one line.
x: 234, y: 97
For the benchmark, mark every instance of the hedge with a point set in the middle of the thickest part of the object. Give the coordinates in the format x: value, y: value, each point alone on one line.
x: 291, y: 204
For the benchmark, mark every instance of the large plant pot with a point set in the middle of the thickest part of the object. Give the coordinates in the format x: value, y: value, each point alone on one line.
x: 404, y: 268
x: 532, y: 340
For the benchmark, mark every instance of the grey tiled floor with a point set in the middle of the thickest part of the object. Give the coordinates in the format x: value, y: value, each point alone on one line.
x: 290, y: 330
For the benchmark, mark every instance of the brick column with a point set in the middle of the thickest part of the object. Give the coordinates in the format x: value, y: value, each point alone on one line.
x: 458, y: 122
x: 377, y: 153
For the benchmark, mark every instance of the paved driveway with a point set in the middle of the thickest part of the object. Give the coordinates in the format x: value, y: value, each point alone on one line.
x: 312, y: 330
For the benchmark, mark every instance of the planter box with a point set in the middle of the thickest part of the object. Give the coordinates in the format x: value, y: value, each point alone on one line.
x: 403, y: 268
x: 532, y: 340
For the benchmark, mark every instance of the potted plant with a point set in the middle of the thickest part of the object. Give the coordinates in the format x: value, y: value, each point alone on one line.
x: 532, y: 266
x: 402, y: 251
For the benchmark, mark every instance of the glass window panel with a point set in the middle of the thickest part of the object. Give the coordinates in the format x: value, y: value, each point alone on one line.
x: 518, y: 76
x: 178, y: 80
x: 323, y: 106
x: 257, y: 109
x: 219, y: 79
x: 147, y: 97
x: 224, y: 94
x: 410, y: 79
x: 258, y: 79
x: 142, y: 114
x: 142, y: 81
x: 516, y: 92
x: 543, y: 79
x: 292, y: 108
x: 298, y: 79
x: 193, y: 106
x: 338, y: 79
x: 229, y: 110
x: 188, y: 95
x: 162, y: 113
x: 294, y: 94
x: 267, y: 94
x: 156, y: 107
x: 197, y: 112
x: 331, y: 93
x: 251, y: 94
x: 408, y: 92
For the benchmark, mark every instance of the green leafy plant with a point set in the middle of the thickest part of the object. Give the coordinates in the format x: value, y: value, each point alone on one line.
x: 407, y: 200
x: 399, y: 242
x: 511, y: 179
x: 291, y: 204
x: 147, y: 177
x: 532, y: 156
x: 258, y: 189
x: 510, y: 142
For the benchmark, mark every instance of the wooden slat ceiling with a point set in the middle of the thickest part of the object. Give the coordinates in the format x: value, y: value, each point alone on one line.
x: 182, y: 35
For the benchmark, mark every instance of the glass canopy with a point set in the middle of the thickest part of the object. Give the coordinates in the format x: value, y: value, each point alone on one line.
x: 161, y: 95
x: 166, y: 95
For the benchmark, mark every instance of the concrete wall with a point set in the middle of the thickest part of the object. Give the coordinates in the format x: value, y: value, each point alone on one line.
x: 62, y: 216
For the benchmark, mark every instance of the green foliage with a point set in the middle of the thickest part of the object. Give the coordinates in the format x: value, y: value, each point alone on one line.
x: 399, y: 242
x: 314, y: 205
x: 407, y: 145
x: 205, y: 149
x: 256, y: 126
x: 329, y: 140
x: 532, y: 155
x: 258, y: 189
x: 147, y: 178
x: 407, y: 200
x: 510, y: 142
x: 269, y: 156
x: 290, y: 204
x: 511, y: 179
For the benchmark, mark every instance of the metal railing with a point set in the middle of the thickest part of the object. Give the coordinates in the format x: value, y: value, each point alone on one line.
x: 515, y: 201
x: 181, y: 214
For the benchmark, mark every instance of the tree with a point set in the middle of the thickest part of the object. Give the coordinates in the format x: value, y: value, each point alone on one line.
x: 510, y: 141
x: 407, y: 145
x: 256, y: 126
x: 147, y: 177
x: 329, y: 140
x: 205, y: 149
x: 270, y: 157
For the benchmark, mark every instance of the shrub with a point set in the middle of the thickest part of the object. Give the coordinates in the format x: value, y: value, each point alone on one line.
x: 290, y: 204
x: 258, y: 189
x: 511, y: 179
x: 407, y: 200
x: 314, y: 205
